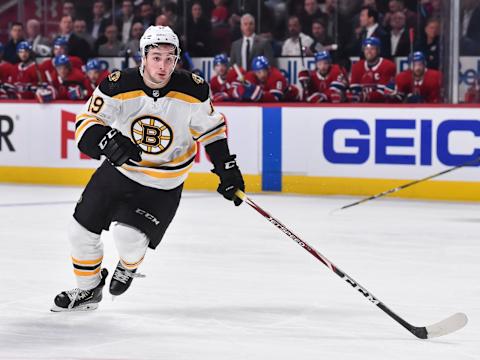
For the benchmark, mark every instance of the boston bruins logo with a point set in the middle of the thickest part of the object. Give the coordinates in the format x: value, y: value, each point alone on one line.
x: 152, y: 134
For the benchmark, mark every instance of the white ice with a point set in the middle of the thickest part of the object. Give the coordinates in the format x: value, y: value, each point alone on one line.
x: 226, y: 284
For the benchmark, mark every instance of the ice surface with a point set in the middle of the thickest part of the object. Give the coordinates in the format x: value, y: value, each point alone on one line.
x: 226, y: 284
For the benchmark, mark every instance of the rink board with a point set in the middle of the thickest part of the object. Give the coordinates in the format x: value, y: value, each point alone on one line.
x: 347, y: 149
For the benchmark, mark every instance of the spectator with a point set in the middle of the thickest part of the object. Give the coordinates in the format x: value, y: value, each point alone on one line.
x: 162, y: 20
x: 69, y: 81
x: 40, y: 44
x: 76, y: 45
x: 113, y: 46
x: 80, y: 29
x: 96, y: 27
x: 16, y: 36
x: 68, y: 8
x: 321, y: 41
x: 136, y: 33
x: 265, y: 83
x: 219, y: 16
x: 371, y: 28
x: 147, y: 16
x: 327, y: 83
x: 470, y: 28
x: 250, y: 45
x: 310, y: 12
x: 297, y: 39
x: 429, y: 43
x: 399, y: 38
x: 395, y: 6
x: 419, y: 84
x: 126, y: 20
x: 95, y: 75
x: 330, y: 13
x: 198, y: 32
x: 26, y: 76
x: 170, y: 11
x: 372, y: 78
x: 221, y: 35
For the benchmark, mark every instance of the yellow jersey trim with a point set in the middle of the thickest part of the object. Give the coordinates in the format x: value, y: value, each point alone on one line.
x: 130, y: 95
x: 182, y: 96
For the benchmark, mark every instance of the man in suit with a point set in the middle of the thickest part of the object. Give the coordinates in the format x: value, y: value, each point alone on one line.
x: 371, y: 28
x: 250, y: 45
x: 98, y: 24
x: 126, y: 20
x: 470, y: 28
x: 399, y: 39
x: 76, y: 45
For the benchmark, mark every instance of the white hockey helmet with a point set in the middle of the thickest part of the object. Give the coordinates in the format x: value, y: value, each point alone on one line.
x: 155, y: 35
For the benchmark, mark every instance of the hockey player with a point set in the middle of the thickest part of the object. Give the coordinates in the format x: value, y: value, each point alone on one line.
x: 265, y: 83
x: 60, y: 47
x: 146, y: 122
x: 224, y: 83
x: 26, y: 75
x: 419, y: 84
x: 95, y: 75
x: 372, y: 78
x: 68, y: 81
x: 327, y: 83
x: 7, y: 90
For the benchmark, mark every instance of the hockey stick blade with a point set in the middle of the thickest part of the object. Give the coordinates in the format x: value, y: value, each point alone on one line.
x: 447, y: 326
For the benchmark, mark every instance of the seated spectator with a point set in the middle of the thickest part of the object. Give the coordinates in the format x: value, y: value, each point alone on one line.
x: 470, y: 28
x: 95, y: 75
x: 327, y: 83
x: 310, y: 12
x: 126, y: 20
x: 429, y: 43
x: 7, y: 90
x: 80, y: 29
x: 16, y: 36
x: 113, y: 46
x: 250, y: 45
x: 265, y: 83
x: 221, y: 34
x: 395, y: 6
x: 321, y: 41
x: 296, y: 39
x: 98, y: 22
x: 162, y: 20
x: 68, y: 8
x: 198, y: 32
x: 40, y: 44
x: 223, y: 84
x: 418, y: 84
x: 169, y: 9
x: 76, y: 45
x: 26, y: 75
x: 369, y: 18
x: 219, y: 16
x: 60, y: 47
x: 372, y: 78
x: 69, y: 81
x: 133, y: 44
x: 399, y: 36
x: 147, y: 16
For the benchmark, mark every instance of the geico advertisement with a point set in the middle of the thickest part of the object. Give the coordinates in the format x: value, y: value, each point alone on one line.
x: 390, y: 143
x: 44, y: 136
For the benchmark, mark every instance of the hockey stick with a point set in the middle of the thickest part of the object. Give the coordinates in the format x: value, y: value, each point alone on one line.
x: 404, y: 186
x: 444, y: 327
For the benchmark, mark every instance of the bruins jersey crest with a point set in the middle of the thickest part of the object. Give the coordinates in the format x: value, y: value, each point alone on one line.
x: 199, y: 80
x: 152, y: 134
x: 113, y: 77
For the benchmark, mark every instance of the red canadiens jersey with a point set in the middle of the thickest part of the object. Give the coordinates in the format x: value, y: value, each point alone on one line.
x: 6, y: 72
x: 90, y: 86
x: 370, y: 82
x: 274, y: 87
x: 48, y: 69
x: 427, y: 89
x: 223, y: 88
x: 71, y: 88
x: 25, y: 77
x: 472, y: 96
x: 321, y: 88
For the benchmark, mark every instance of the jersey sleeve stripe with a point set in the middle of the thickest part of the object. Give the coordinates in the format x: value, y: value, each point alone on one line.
x: 215, y: 134
x: 85, y: 125
x: 181, y: 96
x: 199, y: 138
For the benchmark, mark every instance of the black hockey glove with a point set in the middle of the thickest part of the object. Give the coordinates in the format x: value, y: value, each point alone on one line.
x: 118, y: 148
x: 231, y: 179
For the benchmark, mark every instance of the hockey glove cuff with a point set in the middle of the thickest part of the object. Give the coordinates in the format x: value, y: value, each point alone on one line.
x: 118, y: 148
x: 231, y: 179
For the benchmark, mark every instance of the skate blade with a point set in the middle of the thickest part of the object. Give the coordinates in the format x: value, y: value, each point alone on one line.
x: 86, y: 307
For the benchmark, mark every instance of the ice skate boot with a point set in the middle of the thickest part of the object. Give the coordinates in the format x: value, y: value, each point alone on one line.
x: 80, y: 300
x: 121, y: 279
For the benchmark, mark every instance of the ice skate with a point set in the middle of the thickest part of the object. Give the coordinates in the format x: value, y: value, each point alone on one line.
x: 121, y: 280
x: 80, y: 300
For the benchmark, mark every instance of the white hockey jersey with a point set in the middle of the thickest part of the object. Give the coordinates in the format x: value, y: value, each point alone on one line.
x: 166, y: 123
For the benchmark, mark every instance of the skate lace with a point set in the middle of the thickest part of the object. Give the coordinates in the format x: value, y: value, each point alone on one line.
x: 76, y: 294
x: 123, y: 275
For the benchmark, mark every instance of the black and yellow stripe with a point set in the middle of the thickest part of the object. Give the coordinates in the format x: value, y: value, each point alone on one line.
x: 131, y: 266
x: 217, y: 130
x: 86, y: 267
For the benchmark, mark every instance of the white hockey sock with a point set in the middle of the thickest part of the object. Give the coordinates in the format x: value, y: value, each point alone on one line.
x: 131, y: 245
x: 87, y: 255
